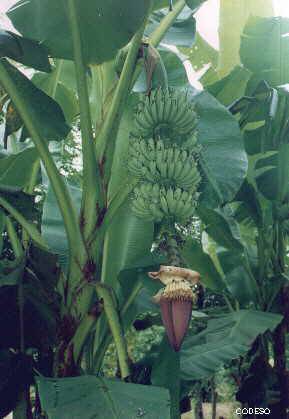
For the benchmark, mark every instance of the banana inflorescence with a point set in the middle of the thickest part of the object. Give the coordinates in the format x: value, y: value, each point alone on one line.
x: 163, y: 154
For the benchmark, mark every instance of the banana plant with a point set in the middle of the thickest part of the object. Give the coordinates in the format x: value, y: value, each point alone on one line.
x: 108, y: 74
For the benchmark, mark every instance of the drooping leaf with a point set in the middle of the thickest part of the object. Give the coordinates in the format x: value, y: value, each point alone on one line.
x: 22, y: 202
x: 2, y: 225
x: 249, y: 198
x: 15, y: 169
x: 269, y: 36
x: 52, y: 227
x: 239, y: 278
x: 134, y: 239
x: 177, y: 75
x: 25, y: 51
x: 137, y: 289
x: 219, y: 228
x: 11, y: 271
x: 194, y: 4
x: 63, y: 95
x: 47, y: 114
x: 223, y: 158
x: 225, y: 338
x: 231, y: 87
x: 196, y: 259
x: 166, y: 373
x: 100, y: 398
x: 105, y: 26
x: 180, y: 33
x: 201, y: 53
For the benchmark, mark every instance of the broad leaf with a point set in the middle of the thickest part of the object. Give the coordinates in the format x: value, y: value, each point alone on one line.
x: 196, y: 259
x: 239, y: 278
x: 182, y: 31
x: 2, y: 226
x: 22, y: 202
x: 231, y: 87
x: 105, y: 26
x: 127, y: 239
x: 11, y: 272
x: 223, y: 158
x: 177, y: 75
x: 219, y: 228
x: 69, y: 398
x: 52, y: 227
x: 194, y: 4
x: 46, y: 113
x: 15, y: 169
x: 63, y: 95
x: 269, y: 37
x: 166, y: 373
x: 25, y: 51
x: 201, y: 53
x: 224, y: 339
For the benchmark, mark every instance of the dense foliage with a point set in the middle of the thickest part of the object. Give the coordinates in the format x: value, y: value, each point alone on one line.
x: 112, y: 164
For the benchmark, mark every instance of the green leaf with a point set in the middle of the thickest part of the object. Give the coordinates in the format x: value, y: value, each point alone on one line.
x: 63, y: 95
x: 225, y: 338
x: 173, y: 62
x: 267, y: 182
x: 231, y: 87
x: 52, y: 227
x: 181, y: 33
x: 223, y: 158
x: 239, y: 278
x: 127, y: 239
x: 219, y: 228
x: 101, y: 398
x: 194, y: 4
x: 25, y: 51
x: 21, y: 201
x: 11, y: 271
x: 137, y: 289
x: 47, y: 114
x: 2, y: 226
x: 166, y: 373
x: 269, y: 37
x: 105, y: 26
x: 249, y: 198
x: 196, y: 259
x: 201, y: 53
x: 15, y: 169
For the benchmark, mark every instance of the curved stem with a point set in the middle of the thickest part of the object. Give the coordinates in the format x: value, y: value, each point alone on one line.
x: 29, y: 227
x: 13, y: 237
x: 61, y: 192
x: 159, y: 33
x: 102, y: 348
x: 92, y: 191
x: 30, y: 190
x: 113, y: 319
x: 55, y: 78
x: 166, y: 22
x: 112, y: 120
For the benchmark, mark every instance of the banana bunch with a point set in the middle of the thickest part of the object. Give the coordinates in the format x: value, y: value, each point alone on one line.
x: 151, y: 161
x: 163, y: 155
x: 165, y: 114
x: 154, y: 202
